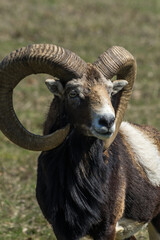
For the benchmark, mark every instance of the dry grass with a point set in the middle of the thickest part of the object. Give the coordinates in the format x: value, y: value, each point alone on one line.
x: 87, y: 28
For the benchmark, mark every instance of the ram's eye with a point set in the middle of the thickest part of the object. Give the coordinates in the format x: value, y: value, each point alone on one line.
x: 73, y: 94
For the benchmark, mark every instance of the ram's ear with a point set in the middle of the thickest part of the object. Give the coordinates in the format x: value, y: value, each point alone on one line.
x: 118, y: 85
x: 55, y: 87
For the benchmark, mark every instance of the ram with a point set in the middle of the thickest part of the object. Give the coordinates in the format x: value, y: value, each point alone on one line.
x: 97, y: 175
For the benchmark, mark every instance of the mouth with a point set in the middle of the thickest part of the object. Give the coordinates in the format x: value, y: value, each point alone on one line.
x: 102, y: 133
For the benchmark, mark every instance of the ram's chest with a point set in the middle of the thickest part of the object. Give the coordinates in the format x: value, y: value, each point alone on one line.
x: 126, y: 228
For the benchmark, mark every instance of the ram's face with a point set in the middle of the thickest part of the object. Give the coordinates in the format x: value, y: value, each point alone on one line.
x: 88, y: 103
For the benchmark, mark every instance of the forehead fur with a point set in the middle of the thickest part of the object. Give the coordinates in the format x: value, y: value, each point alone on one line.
x: 92, y: 74
x: 90, y: 78
x: 94, y: 77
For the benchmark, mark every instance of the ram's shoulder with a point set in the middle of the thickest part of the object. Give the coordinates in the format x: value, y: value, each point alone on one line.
x: 140, y: 134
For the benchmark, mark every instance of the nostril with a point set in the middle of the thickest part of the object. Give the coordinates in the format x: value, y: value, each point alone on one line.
x: 103, y: 121
x: 107, y: 121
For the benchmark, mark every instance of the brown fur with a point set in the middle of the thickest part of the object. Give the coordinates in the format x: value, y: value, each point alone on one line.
x: 98, y: 96
x: 92, y: 75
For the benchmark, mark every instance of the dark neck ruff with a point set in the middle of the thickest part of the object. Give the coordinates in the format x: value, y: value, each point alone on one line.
x: 73, y: 188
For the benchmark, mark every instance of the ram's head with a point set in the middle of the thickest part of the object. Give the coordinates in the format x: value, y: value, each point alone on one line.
x: 87, y: 102
x: 85, y: 89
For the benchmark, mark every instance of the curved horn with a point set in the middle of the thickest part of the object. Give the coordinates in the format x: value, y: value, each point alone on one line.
x: 118, y: 61
x: 39, y: 58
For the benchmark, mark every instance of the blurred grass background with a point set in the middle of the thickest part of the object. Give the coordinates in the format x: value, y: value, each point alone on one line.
x: 87, y: 28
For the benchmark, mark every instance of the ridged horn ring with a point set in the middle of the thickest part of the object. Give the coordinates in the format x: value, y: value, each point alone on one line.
x: 118, y: 61
x: 39, y: 58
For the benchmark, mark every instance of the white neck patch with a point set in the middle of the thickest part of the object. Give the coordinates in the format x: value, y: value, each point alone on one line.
x: 145, y: 151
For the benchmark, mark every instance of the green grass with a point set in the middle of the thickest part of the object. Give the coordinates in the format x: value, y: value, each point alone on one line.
x: 87, y: 28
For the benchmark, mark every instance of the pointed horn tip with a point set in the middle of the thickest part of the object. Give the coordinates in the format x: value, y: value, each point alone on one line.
x: 56, y: 139
x: 66, y: 129
x: 60, y: 135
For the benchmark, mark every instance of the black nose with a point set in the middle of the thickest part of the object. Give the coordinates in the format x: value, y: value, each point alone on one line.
x: 107, y: 121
